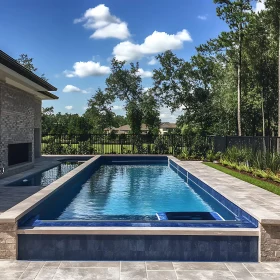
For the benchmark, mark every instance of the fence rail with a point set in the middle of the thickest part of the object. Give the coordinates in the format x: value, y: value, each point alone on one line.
x: 260, y: 143
x: 118, y: 144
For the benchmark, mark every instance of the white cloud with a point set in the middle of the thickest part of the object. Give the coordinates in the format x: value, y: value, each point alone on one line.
x: 204, y: 17
x: 85, y: 108
x: 86, y: 69
x: 260, y: 6
x: 153, y: 61
x: 117, y: 107
x: 155, y: 43
x: 167, y: 116
x: 69, y: 107
x: 145, y: 74
x: 70, y: 88
x: 104, y: 24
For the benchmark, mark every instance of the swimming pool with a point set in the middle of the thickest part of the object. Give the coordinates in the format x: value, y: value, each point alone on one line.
x: 109, y: 209
x: 46, y: 177
x: 136, y: 192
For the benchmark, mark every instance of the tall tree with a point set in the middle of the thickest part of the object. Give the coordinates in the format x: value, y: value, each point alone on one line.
x: 236, y: 14
x: 273, y: 10
x: 99, y: 111
x: 151, y: 113
x: 126, y: 84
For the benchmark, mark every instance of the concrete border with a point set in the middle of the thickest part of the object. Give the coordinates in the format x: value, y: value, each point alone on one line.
x: 140, y: 231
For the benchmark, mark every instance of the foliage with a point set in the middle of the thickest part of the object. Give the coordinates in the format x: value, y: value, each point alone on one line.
x: 27, y: 62
x: 254, y: 181
x: 126, y: 85
x: 160, y: 146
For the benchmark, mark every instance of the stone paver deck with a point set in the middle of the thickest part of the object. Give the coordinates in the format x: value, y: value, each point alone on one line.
x: 14, y: 270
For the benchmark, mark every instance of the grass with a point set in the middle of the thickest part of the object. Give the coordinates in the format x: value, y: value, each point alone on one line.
x: 254, y: 181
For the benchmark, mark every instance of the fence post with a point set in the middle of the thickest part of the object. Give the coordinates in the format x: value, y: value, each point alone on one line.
x: 226, y: 143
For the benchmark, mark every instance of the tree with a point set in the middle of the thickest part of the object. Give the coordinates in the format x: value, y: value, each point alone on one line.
x: 273, y: 10
x: 99, y: 112
x: 236, y: 14
x: 151, y: 113
x: 126, y: 84
x: 185, y: 85
x: 27, y: 62
x: 47, y: 120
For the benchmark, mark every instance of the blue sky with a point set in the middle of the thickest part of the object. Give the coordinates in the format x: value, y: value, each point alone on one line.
x: 72, y: 42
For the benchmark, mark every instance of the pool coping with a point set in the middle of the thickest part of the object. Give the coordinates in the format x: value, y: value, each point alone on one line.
x: 140, y: 231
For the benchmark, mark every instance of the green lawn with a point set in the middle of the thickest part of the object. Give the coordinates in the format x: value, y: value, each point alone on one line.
x: 254, y: 181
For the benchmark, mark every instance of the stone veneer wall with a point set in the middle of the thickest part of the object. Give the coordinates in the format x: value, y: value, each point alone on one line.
x: 20, y: 113
x: 270, y: 243
x: 8, y: 241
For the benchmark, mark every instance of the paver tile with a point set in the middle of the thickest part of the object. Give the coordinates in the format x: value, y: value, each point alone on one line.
x: 162, y: 275
x: 135, y: 275
x: 89, y: 264
x: 263, y: 267
x: 29, y: 275
x: 199, y: 266
x: 205, y: 275
x: 159, y: 266
x: 266, y: 276
x: 132, y: 266
x: 46, y: 274
x: 8, y: 275
x: 52, y: 264
x: 93, y: 273
x: 13, y: 266
x: 239, y: 271
x: 35, y: 265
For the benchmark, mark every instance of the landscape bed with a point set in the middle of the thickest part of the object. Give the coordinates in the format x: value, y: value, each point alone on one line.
x: 106, y: 209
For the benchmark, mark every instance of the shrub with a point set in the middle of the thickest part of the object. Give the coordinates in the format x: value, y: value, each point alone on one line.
x: 160, y: 146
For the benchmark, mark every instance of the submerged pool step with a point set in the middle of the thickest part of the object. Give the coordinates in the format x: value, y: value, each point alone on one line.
x: 189, y: 216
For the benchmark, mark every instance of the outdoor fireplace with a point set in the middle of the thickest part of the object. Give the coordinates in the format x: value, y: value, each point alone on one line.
x: 19, y: 153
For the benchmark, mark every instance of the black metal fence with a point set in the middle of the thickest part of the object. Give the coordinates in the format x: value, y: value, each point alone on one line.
x: 121, y: 144
x: 257, y: 143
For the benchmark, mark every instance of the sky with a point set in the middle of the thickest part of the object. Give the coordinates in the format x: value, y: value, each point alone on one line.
x: 73, y: 41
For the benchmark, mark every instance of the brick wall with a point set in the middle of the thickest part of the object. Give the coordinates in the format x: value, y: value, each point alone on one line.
x: 270, y: 243
x: 8, y: 241
x: 20, y: 113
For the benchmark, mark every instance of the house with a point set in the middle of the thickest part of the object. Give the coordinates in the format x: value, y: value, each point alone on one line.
x: 167, y: 127
x: 125, y: 129
x: 21, y: 95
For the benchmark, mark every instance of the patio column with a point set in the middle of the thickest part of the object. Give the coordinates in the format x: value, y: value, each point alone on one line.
x: 8, y: 241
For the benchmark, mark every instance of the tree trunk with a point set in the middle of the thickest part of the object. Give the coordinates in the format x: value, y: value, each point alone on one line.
x: 279, y: 79
x: 278, y: 140
x: 239, y: 84
x: 263, y: 122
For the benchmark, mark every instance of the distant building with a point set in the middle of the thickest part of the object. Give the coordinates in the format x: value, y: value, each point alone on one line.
x: 165, y: 127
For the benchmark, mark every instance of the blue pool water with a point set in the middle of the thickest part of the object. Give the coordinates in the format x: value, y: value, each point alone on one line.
x: 46, y: 177
x: 137, y: 192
